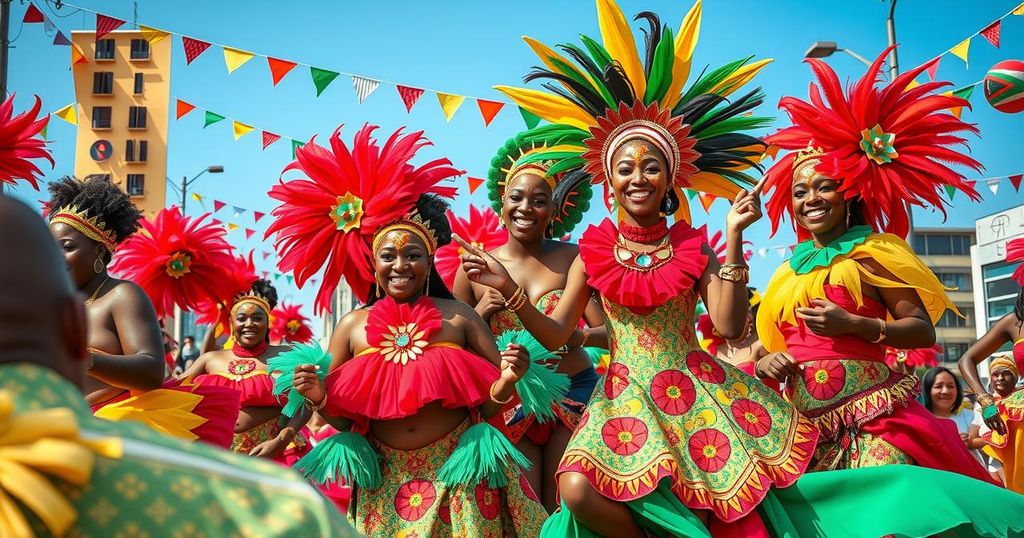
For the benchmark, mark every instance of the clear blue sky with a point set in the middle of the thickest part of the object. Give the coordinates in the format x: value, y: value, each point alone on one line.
x: 465, y: 48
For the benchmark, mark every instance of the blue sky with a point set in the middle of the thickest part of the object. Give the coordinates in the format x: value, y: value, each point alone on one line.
x: 467, y: 47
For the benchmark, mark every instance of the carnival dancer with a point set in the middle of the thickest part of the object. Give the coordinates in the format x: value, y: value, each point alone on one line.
x: 414, y: 371
x: 523, y: 193
x: 673, y: 439
x: 1004, y: 415
x: 90, y: 219
x: 853, y: 286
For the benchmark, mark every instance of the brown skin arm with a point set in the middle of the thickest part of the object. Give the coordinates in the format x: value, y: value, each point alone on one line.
x: 209, y: 340
x: 198, y: 367
x: 462, y: 289
x: 480, y: 340
x: 555, y: 330
x: 728, y: 304
x: 142, y: 365
x: 598, y: 334
x: 1000, y: 333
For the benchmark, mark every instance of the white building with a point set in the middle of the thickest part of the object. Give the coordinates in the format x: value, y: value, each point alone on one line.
x: 995, y: 291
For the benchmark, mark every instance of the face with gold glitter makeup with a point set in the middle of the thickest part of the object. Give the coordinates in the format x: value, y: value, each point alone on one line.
x: 818, y: 206
x: 249, y: 325
x: 639, y: 177
x: 401, y: 265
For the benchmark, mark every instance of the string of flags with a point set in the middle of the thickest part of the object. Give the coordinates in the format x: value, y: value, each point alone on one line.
x: 991, y: 32
x: 238, y: 128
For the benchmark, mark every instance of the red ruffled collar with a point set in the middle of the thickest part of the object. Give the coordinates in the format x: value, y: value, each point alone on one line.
x: 642, y: 291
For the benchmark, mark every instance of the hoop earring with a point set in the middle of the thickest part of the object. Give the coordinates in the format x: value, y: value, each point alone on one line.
x: 98, y: 269
x: 847, y: 215
x: 426, y: 291
x: 376, y: 289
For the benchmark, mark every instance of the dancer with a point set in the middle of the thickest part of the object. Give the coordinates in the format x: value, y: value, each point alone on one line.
x: 413, y: 372
x: 523, y: 193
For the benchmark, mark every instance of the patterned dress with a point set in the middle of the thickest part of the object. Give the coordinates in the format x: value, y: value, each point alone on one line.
x: 1009, y: 448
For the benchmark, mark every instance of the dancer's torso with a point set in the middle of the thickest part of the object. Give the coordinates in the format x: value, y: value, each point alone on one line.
x: 103, y: 337
x: 249, y: 376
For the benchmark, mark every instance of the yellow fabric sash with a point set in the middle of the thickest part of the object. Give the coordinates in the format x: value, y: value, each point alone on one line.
x: 166, y: 411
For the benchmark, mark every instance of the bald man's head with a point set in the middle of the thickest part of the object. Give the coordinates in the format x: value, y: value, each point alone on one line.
x: 42, y: 320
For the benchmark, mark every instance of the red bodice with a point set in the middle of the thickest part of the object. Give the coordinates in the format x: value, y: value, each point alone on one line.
x: 805, y: 346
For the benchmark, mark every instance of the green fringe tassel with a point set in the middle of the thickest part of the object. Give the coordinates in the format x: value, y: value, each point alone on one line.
x: 285, y: 364
x: 483, y: 453
x: 346, y: 455
x: 540, y: 387
x: 595, y: 354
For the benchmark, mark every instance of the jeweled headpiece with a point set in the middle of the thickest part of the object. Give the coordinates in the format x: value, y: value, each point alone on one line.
x: 412, y: 224
x: 251, y: 297
x: 91, y: 227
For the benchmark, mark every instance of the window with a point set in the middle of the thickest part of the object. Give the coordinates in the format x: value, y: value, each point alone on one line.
x: 140, y: 49
x: 962, y: 245
x: 103, y: 83
x: 101, y: 117
x: 135, y: 151
x: 943, y: 244
x: 137, y: 117
x: 105, y: 49
x: 953, y: 352
x: 138, y: 83
x: 938, y: 245
x: 136, y: 184
x: 949, y: 319
x: 960, y: 281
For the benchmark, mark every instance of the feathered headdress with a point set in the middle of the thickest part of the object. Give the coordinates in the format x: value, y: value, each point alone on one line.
x: 238, y: 279
x: 177, y: 260
x: 18, y: 143
x: 483, y: 230
x: 604, y: 94
x: 287, y: 324
x: 328, y: 218
x: 1015, y: 254
x: 888, y: 146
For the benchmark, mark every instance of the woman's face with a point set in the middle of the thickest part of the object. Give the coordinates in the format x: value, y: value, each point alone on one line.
x: 944, y: 392
x: 249, y: 325
x: 639, y: 178
x: 527, y: 207
x: 80, y: 253
x: 401, y: 265
x: 818, y: 205
x: 1004, y: 381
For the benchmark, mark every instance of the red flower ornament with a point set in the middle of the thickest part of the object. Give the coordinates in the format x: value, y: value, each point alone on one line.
x: 488, y: 501
x: 751, y: 416
x: 624, y: 435
x: 710, y: 450
x: 705, y: 368
x: 616, y: 381
x: 402, y: 331
x: 414, y: 499
x: 824, y: 379
x: 673, y: 392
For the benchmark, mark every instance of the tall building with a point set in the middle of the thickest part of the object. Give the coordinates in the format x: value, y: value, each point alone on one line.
x: 123, y: 91
x: 993, y: 277
x: 947, y: 251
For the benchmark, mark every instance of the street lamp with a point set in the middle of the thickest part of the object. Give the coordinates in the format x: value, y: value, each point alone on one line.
x: 824, y: 49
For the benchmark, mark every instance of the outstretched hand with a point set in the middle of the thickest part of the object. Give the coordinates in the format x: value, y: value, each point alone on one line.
x: 481, y: 267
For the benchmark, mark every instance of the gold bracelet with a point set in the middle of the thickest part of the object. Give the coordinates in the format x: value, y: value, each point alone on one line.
x: 985, y: 399
x: 734, y: 272
x: 497, y: 401
x: 315, y: 407
x: 881, y: 331
x: 285, y: 430
x: 516, y: 296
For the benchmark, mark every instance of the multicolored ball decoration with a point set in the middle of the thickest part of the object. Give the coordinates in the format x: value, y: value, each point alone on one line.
x: 1004, y: 86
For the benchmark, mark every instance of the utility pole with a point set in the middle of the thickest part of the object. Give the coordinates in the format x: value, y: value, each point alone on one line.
x: 5, y: 43
x: 894, y: 71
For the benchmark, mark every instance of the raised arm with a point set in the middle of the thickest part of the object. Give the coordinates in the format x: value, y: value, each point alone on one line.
x: 512, y: 362
x: 1000, y: 333
x: 141, y: 366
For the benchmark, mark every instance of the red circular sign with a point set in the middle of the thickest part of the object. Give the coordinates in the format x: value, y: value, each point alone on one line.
x: 101, y: 150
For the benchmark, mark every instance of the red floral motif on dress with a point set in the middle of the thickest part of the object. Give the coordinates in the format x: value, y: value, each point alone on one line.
x: 488, y: 500
x: 624, y: 435
x: 414, y: 498
x: 616, y: 381
x: 401, y: 331
x: 710, y: 449
x: 444, y: 511
x: 374, y: 518
x: 824, y: 379
x: 752, y: 417
x: 704, y: 368
x: 673, y: 392
x: 524, y: 484
x: 456, y: 504
x: 240, y: 367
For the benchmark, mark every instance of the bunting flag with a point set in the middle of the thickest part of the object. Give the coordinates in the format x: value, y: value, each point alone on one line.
x: 991, y: 33
x: 449, y: 104
x: 235, y: 58
x: 322, y: 78
x: 249, y: 232
x: 780, y: 252
x: 68, y: 114
x: 33, y: 15
x: 489, y: 109
x: 313, y: 281
x: 277, y: 276
x: 289, y: 278
x: 211, y: 118
x: 61, y: 39
x: 48, y: 26
x: 409, y: 96
x: 706, y: 200
x: 269, y: 138
x: 237, y: 210
x: 965, y: 93
x: 77, y: 56
x: 970, y: 183
x: 105, y: 25
x: 240, y: 129
x: 993, y: 185
x: 529, y: 118
x: 279, y: 68
x: 364, y: 86
x: 182, y: 108
x: 197, y: 197
x: 690, y: 194
x: 217, y: 222
x: 762, y: 252
x: 950, y: 191
x: 232, y: 226
x: 193, y: 48
x: 218, y: 205
x: 1019, y: 10
x: 296, y: 145
x: 1015, y: 180
x: 474, y: 183
x: 42, y: 132
x: 266, y: 274
x: 153, y: 35
x: 257, y: 215
x: 960, y: 51
x: 265, y: 255
x: 933, y: 68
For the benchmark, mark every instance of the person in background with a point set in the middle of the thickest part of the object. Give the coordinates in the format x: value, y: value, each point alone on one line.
x: 189, y: 352
x: 943, y: 396
x: 1004, y: 463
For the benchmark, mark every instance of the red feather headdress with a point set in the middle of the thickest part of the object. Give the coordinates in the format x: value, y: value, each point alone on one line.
x: 18, y: 143
x: 1015, y: 254
x: 483, y: 229
x: 177, y: 260
x: 287, y: 324
x: 238, y: 279
x: 926, y: 356
x: 718, y: 245
x: 328, y: 219
x: 889, y: 146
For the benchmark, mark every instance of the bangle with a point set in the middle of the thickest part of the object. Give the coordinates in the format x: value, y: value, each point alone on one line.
x: 315, y: 407
x: 989, y: 411
x: 986, y: 400
x: 497, y: 401
x: 881, y: 331
x: 287, y: 430
x: 517, y: 300
x: 734, y: 272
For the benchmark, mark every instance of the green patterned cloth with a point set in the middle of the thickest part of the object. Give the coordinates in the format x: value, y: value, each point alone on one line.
x: 164, y: 487
x: 807, y: 257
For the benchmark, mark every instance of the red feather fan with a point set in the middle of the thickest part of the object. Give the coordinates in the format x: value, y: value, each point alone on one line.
x: 18, y: 143
x: 287, y: 324
x: 483, y: 229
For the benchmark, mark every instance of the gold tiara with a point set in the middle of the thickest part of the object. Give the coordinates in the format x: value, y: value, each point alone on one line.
x: 250, y: 297
x: 806, y: 156
x: 91, y: 227
x: 412, y: 224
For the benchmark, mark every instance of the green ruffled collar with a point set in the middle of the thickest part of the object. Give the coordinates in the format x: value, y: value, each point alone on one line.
x: 807, y: 257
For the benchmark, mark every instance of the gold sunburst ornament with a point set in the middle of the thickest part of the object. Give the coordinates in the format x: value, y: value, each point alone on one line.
x: 402, y: 343
x: 877, y: 144
x: 347, y: 213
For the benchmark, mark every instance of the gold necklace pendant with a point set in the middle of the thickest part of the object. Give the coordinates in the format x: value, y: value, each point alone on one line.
x: 97, y: 291
x: 642, y: 261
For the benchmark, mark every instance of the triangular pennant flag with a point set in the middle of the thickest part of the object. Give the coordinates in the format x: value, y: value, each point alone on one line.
x: 257, y: 215
x: 706, y: 200
x: 409, y: 96
x: 1019, y: 10
x: 780, y: 252
x: 950, y: 191
x: 279, y: 68
x: 68, y: 114
x: 970, y: 183
x: 792, y: 248
x: 266, y: 255
x: 238, y: 210
x: 289, y: 278
x: 364, y: 86
x: 690, y: 194
x: 48, y: 27
x: 77, y: 56
x: 912, y: 84
x: 296, y: 145
x: 964, y: 93
x: 235, y: 58
x: 266, y: 274
x: 474, y: 184
x: 1015, y: 180
x: 960, y: 51
x: 153, y: 35
x: 249, y: 232
x: 32, y: 14
x: 957, y: 111
x: 277, y: 276
x: 193, y: 48
x: 197, y: 197
x: 211, y: 118
x: 217, y: 205
x: 313, y: 281
x: 182, y: 108
x: 991, y: 33
x: 529, y: 118
x: 240, y: 129
x: 61, y: 39
x: 217, y: 222
x: 489, y: 109
x: 269, y: 138
x: 232, y: 226
x: 933, y: 68
x: 762, y: 252
x: 321, y: 78
x: 449, y: 104
x: 993, y: 185
x: 105, y: 25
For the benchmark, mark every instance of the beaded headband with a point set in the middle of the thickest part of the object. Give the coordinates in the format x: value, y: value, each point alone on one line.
x: 251, y: 298
x: 536, y: 168
x: 413, y: 225
x: 643, y: 130
x: 91, y: 227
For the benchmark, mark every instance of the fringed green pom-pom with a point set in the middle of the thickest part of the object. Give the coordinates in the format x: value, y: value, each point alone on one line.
x: 483, y: 453
x: 285, y: 365
x: 595, y: 354
x: 345, y: 455
x: 540, y: 387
